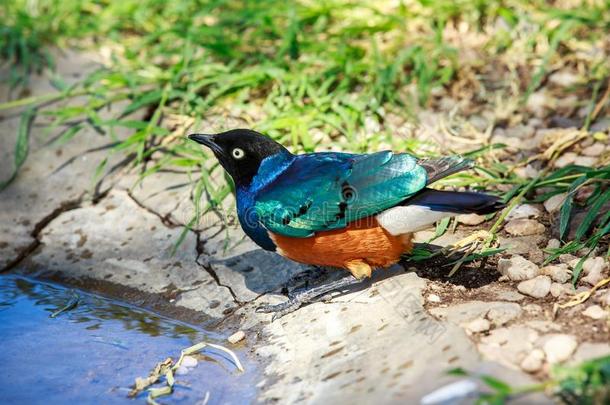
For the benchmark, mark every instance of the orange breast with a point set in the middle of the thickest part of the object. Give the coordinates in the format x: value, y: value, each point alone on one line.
x: 362, y: 244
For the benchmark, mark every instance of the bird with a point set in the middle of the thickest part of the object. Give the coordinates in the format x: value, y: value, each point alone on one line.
x: 355, y: 212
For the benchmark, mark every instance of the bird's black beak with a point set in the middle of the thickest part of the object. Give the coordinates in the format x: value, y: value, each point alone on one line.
x: 206, y: 140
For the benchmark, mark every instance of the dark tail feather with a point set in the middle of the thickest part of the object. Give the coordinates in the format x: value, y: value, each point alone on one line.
x: 437, y: 168
x: 456, y: 201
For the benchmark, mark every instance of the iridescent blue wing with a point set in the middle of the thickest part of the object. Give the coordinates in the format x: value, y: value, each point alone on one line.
x: 325, y: 191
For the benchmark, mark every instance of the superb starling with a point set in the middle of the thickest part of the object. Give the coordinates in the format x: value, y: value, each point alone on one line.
x: 342, y: 210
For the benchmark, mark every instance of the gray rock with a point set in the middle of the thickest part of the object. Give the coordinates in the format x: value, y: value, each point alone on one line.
x: 595, y: 312
x: 334, y: 340
x: 554, y: 203
x: 593, y: 268
x: 54, y: 177
x: 524, y: 227
x: 167, y: 194
x: 237, y: 337
x: 521, y: 245
x: 116, y: 241
x: 507, y: 345
x: 501, y: 314
x: 557, y: 289
x: 565, y: 78
x: 517, y: 268
x: 533, y: 361
x: 433, y: 298
x: 568, y: 259
x: 523, y: 211
x: 538, y: 103
x: 528, y: 172
x: 470, y: 219
x: 565, y: 159
x: 587, y: 161
x: 558, y: 348
x: 594, y: 150
x: 559, y: 273
x: 588, y: 351
x: 602, y: 297
x: 537, y: 287
x: 553, y: 244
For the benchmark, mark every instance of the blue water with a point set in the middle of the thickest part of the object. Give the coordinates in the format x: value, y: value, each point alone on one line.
x: 91, y: 354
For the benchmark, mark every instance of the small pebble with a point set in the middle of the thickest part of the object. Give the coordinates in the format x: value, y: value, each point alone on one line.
x: 553, y: 244
x: 554, y: 203
x: 527, y: 172
x: 189, y: 362
x: 470, y: 219
x: 567, y: 258
x: 595, y: 312
x: 557, y: 289
x: 537, y: 287
x: 566, y: 159
x: 594, y: 150
x: 587, y: 161
x: 518, y: 268
x: 523, y: 211
x: 499, y: 315
x: 559, y: 273
x: 603, y: 297
x: 573, y: 263
x: 559, y: 348
x: 533, y: 361
x: 524, y: 227
x: 434, y: 298
x: 537, y: 103
x: 236, y: 337
x: 536, y: 255
x: 593, y: 268
x: 564, y: 78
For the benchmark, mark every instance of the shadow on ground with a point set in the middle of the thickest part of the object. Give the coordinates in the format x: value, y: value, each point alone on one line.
x: 265, y: 272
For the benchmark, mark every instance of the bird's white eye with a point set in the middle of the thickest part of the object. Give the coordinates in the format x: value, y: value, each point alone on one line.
x: 238, y: 153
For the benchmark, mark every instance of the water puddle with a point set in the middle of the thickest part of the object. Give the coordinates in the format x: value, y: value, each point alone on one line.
x: 92, y: 353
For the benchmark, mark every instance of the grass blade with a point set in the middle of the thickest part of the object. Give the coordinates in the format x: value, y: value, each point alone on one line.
x: 22, y: 145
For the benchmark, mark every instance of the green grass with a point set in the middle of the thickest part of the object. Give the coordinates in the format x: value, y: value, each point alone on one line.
x: 311, y: 74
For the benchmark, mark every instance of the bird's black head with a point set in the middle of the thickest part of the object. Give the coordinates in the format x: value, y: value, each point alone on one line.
x: 240, y: 151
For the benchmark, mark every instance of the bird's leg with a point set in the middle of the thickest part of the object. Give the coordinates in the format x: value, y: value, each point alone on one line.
x: 306, y: 277
x: 305, y: 296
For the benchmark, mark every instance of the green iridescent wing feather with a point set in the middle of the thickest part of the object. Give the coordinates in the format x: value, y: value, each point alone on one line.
x: 325, y: 191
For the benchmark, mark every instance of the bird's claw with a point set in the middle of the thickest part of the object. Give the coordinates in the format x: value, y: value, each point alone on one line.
x: 306, y: 296
x: 281, y: 309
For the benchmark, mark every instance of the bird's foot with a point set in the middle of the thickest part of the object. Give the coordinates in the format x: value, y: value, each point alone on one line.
x: 307, y: 277
x: 281, y: 309
x: 298, y: 298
